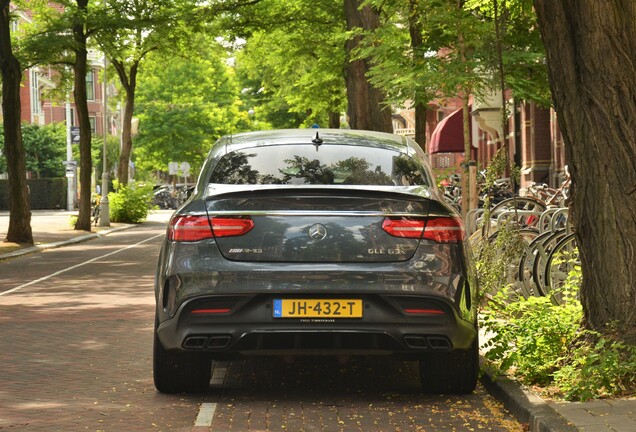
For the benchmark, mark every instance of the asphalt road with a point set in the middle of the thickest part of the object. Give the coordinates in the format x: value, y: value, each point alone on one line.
x: 76, y: 337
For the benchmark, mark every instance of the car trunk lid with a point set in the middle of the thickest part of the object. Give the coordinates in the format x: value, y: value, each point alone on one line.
x: 316, y: 225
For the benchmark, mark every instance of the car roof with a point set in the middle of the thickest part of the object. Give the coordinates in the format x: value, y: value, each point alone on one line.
x: 327, y: 136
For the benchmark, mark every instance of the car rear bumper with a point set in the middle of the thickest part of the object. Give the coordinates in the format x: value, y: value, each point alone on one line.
x: 249, y: 328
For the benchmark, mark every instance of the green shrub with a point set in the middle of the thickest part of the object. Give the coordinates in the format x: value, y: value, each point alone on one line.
x: 531, y: 336
x: 130, y: 204
x: 597, y: 367
x: 541, y: 343
x: 498, y: 260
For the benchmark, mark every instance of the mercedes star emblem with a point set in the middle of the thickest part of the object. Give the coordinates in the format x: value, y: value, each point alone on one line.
x: 317, y: 232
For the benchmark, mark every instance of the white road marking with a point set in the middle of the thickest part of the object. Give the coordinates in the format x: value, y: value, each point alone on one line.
x: 33, y: 282
x: 206, y: 414
x: 219, y: 372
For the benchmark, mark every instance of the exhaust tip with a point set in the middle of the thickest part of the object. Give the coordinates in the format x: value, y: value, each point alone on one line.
x: 213, y: 342
x: 423, y: 342
x: 439, y: 343
x: 195, y: 342
x: 218, y: 342
x: 416, y: 342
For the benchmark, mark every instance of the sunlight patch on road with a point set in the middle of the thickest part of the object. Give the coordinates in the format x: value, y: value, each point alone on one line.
x: 33, y: 282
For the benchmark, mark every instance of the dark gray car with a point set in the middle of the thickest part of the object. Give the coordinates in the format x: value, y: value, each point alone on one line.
x: 315, y: 242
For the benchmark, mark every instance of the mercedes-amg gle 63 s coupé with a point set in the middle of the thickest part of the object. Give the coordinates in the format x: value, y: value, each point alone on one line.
x: 315, y: 242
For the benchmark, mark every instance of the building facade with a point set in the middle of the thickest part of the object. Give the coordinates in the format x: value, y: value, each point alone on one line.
x: 535, y: 142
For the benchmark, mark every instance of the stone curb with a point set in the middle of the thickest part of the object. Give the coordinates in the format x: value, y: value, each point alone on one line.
x: 525, y: 406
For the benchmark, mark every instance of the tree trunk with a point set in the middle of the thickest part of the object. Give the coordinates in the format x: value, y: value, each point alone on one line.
x: 126, y: 138
x: 415, y: 33
x: 591, y: 47
x: 129, y: 83
x: 80, y: 69
x: 334, y: 120
x: 366, y: 105
x: 420, y: 125
x: 19, y: 230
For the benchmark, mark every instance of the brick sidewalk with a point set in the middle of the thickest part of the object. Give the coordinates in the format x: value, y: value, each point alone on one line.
x: 52, y: 228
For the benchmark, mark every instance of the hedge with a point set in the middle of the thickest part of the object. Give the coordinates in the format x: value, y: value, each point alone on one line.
x: 44, y: 194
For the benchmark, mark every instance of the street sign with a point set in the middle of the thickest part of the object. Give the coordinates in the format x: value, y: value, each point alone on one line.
x: 173, y: 168
x: 75, y: 134
x: 185, y: 168
x: 70, y: 168
x: 179, y: 168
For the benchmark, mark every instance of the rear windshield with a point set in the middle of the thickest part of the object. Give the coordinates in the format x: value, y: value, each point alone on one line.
x: 327, y: 164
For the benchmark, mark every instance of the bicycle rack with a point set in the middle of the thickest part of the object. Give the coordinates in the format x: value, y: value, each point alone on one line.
x: 555, y: 218
x: 546, y: 219
x: 471, y: 221
x: 514, y: 213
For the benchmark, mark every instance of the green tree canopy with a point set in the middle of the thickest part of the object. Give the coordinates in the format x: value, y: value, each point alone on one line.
x: 457, y: 51
x: 184, y: 106
x: 44, y: 149
x: 291, y: 64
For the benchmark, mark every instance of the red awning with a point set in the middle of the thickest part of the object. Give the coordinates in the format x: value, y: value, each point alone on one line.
x: 448, y: 136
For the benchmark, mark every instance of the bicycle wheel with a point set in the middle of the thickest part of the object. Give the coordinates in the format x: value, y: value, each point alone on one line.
x: 526, y: 265
x: 526, y: 204
x: 541, y: 258
x: 562, y: 260
x: 95, y: 215
x: 528, y: 235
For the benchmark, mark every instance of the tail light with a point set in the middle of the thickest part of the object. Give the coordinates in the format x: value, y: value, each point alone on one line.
x: 231, y: 226
x: 404, y: 227
x: 444, y: 230
x: 438, y: 229
x: 188, y: 228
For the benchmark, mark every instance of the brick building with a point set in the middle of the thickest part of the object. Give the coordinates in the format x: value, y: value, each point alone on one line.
x: 39, y: 110
x: 36, y: 80
x: 536, y: 144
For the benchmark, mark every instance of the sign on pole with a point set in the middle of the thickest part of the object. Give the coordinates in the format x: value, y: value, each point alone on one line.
x: 70, y: 168
x: 185, y: 168
x: 173, y: 168
x: 75, y: 134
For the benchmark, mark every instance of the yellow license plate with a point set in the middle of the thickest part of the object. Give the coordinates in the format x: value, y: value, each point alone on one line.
x: 314, y: 308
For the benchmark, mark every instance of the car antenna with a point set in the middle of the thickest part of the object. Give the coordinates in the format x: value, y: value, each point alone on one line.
x: 317, y: 141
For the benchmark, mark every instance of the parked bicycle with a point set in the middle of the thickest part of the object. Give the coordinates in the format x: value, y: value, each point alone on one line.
x: 453, y: 193
x: 550, y: 252
x: 95, y: 208
x: 550, y: 196
x: 170, y: 197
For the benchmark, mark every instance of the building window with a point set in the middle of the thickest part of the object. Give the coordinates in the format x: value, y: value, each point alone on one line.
x: 35, y: 92
x: 90, y: 85
x: 93, y: 121
x: 442, y: 162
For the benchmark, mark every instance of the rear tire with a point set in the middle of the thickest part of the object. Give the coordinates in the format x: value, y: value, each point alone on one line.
x: 180, y: 372
x: 450, y: 372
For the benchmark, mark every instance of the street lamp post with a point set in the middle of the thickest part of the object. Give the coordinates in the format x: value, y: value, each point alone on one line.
x: 104, y: 207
